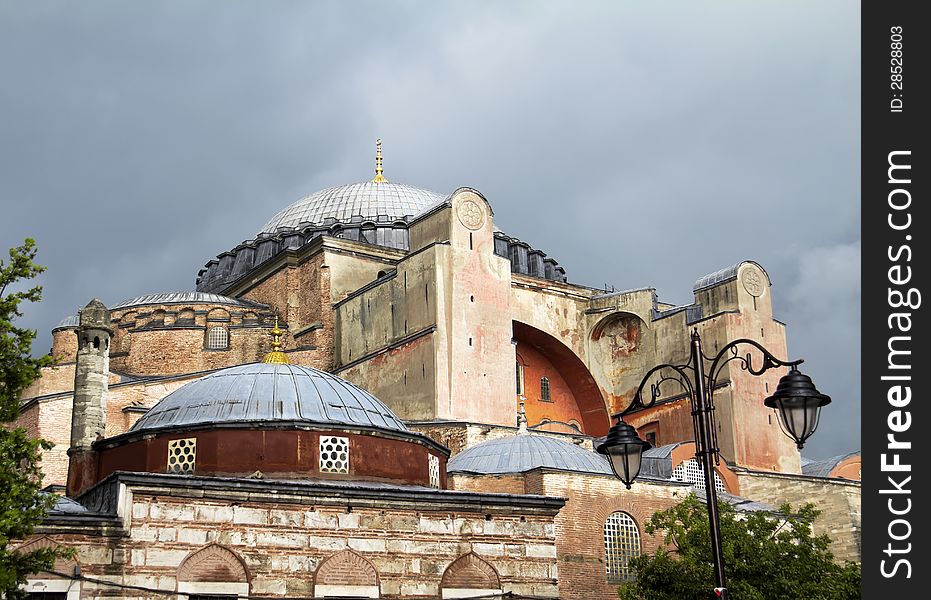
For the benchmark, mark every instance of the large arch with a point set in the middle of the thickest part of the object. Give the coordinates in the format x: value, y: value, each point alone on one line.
x: 469, y: 576
x: 346, y: 573
x: 213, y: 570
x: 581, y: 386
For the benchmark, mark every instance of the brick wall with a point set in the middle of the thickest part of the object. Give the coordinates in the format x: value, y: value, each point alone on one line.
x: 580, y: 525
x: 503, y: 484
x: 301, y: 294
x: 50, y: 419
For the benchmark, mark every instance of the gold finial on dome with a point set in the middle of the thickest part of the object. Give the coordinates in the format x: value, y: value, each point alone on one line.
x: 276, y: 356
x: 379, y: 170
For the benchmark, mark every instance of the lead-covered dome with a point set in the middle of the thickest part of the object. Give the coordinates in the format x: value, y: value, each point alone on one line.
x: 367, y: 200
x: 262, y: 393
x: 523, y: 452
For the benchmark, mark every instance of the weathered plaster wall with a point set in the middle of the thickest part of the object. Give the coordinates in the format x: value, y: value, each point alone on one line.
x: 562, y: 405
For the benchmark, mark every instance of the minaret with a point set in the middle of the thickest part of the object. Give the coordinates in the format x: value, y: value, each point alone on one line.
x: 379, y: 170
x: 89, y: 409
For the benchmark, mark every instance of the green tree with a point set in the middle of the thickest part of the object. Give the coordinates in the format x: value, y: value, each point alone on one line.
x: 765, y: 557
x: 22, y: 505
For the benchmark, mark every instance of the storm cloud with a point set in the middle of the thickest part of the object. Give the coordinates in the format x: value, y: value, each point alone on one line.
x: 640, y: 144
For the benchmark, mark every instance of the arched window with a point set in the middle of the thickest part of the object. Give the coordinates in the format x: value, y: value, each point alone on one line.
x: 213, y: 572
x: 545, y: 389
x: 622, y: 543
x: 469, y: 576
x: 56, y: 583
x: 346, y: 574
x: 690, y: 471
x: 217, y: 338
x: 185, y: 317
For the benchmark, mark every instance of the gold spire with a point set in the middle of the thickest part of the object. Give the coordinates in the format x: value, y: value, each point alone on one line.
x: 379, y: 171
x: 276, y: 356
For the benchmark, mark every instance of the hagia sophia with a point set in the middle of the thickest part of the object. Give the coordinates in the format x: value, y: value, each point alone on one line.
x: 383, y: 395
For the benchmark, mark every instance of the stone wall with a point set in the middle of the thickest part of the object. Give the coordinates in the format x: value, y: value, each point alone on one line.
x: 837, y: 499
x: 283, y: 544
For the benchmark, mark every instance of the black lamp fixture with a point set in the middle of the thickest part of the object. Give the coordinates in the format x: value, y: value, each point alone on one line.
x: 799, y: 404
x: 624, y: 450
x: 798, y: 401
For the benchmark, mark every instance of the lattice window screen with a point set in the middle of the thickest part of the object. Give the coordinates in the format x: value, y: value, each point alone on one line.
x: 218, y: 338
x: 334, y: 454
x: 182, y: 455
x: 690, y: 471
x: 622, y: 543
x: 434, y: 471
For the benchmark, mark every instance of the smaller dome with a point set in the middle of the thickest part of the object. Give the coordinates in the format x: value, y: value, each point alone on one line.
x: 264, y: 393
x: 186, y: 298
x: 523, y: 452
x: 69, y: 322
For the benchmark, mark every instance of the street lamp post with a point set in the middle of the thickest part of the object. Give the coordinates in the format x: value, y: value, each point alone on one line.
x: 796, y: 399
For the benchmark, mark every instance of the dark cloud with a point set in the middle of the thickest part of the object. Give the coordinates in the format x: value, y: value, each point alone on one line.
x: 638, y: 143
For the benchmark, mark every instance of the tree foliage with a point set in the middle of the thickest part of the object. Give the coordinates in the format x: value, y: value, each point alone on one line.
x: 22, y: 504
x: 765, y: 557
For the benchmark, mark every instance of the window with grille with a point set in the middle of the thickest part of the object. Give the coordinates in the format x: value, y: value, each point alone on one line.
x: 218, y: 338
x: 622, y: 543
x: 544, y: 389
x: 334, y: 454
x: 434, y: 465
x: 181, y: 456
x: 520, y: 379
x: 690, y: 471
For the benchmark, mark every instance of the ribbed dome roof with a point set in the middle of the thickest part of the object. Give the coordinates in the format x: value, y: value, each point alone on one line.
x: 367, y: 200
x: 185, y: 298
x: 270, y: 393
x: 523, y: 452
x: 69, y: 322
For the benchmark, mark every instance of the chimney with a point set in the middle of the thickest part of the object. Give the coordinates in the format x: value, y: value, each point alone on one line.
x: 89, y: 411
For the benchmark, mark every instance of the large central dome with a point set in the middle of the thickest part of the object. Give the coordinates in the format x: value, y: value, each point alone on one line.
x: 368, y: 200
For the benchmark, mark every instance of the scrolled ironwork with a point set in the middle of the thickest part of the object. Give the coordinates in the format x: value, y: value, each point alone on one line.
x: 769, y: 361
x: 681, y: 377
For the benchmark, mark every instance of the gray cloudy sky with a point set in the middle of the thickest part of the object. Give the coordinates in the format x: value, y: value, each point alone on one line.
x: 138, y: 140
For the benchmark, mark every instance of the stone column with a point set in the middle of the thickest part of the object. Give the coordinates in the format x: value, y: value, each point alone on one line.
x: 89, y: 411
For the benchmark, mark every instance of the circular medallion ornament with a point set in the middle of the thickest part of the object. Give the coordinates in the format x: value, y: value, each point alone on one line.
x: 753, y: 281
x: 470, y: 212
